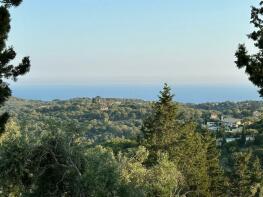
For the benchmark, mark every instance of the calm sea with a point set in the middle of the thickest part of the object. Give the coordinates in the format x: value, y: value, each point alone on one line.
x: 185, y: 94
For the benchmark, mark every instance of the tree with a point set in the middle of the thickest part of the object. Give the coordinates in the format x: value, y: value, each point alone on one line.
x: 162, y: 179
x: 102, y: 174
x: 253, y: 63
x: 243, y: 139
x: 256, y: 178
x: 217, y: 180
x: 160, y: 128
x: 240, y: 178
x: 48, y: 164
x: 164, y: 134
x: 7, y: 54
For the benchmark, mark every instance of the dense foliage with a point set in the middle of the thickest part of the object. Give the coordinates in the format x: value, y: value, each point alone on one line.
x: 110, y: 147
x: 253, y: 64
x: 7, y: 54
x: 53, y: 149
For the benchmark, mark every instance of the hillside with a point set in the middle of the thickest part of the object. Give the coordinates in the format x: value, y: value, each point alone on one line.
x: 104, y: 118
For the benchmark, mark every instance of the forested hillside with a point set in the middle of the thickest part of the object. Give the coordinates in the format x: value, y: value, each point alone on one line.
x: 122, y: 147
x: 106, y: 147
x: 104, y: 118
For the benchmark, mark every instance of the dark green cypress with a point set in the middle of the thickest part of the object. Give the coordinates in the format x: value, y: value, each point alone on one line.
x: 163, y: 133
x: 240, y: 178
x: 7, y: 54
x: 159, y: 129
x: 256, y: 177
x: 217, y: 180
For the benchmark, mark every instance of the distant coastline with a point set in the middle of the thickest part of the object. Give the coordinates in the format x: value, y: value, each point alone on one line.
x: 184, y: 94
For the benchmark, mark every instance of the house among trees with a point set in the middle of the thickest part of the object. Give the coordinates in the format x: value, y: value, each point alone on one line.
x: 213, y: 126
x: 231, y: 122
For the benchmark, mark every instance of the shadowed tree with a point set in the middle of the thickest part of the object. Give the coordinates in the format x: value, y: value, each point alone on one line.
x: 253, y: 63
x: 240, y: 174
x: 246, y: 178
x: 7, y: 55
x: 217, y: 180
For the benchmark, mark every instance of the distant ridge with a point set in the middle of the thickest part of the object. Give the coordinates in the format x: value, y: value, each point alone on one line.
x: 183, y: 94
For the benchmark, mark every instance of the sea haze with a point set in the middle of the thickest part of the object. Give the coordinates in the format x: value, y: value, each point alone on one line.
x: 185, y: 93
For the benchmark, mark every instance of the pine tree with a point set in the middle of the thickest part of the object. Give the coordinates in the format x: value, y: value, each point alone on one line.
x: 256, y: 177
x: 217, y: 181
x: 7, y: 54
x: 253, y: 64
x: 163, y: 133
x: 190, y: 155
x: 159, y: 129
x: 240, y: 178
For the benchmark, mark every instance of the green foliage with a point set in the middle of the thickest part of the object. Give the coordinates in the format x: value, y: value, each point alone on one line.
x: 7, y: 54
x: 253, y: 64
x: 160, y: 129
x: 14, y: 172
x: 162, y: 179
x: 189, y: 152
x: 243, y: 109
x: 120, y: 144
x: 49, y: 164
x: 54, y: 152
x: 102, y: 174
x: 256, y: 177
x: 61, y: 163
x: 246, y: 177
x: 185, y: 148
x: 240, y: 177
x: 218, y: 185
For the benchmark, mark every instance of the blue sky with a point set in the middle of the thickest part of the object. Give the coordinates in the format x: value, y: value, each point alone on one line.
x: 131, y: 41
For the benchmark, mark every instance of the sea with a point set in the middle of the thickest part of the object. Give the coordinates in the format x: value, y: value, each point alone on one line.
x: 183, y: 93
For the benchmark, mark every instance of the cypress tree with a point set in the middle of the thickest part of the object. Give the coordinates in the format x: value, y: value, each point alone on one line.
x: 190, y: 155
x: 217, y: 181
x: 159, y: 129
x: 163, y: 133
x: 240, y: 178
x: 256, y: 179
x: 7, y: 54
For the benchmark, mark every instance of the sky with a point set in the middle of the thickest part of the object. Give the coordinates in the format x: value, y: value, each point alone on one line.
x: 90, y: 42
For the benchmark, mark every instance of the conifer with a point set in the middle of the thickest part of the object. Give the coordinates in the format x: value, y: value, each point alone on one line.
x: 159, y: 129
x: 7, y: 54
x: 253, y: 63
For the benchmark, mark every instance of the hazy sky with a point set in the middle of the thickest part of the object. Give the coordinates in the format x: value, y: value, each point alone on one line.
x: 131, y: 41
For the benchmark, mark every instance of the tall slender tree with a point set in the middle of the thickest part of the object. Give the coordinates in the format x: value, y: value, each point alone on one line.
x: 256, y: 179
x: 217, y: 181
x: 163, y: 133
x: 7, y: 54
x: 240, y: 178
x: 159, y: 129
